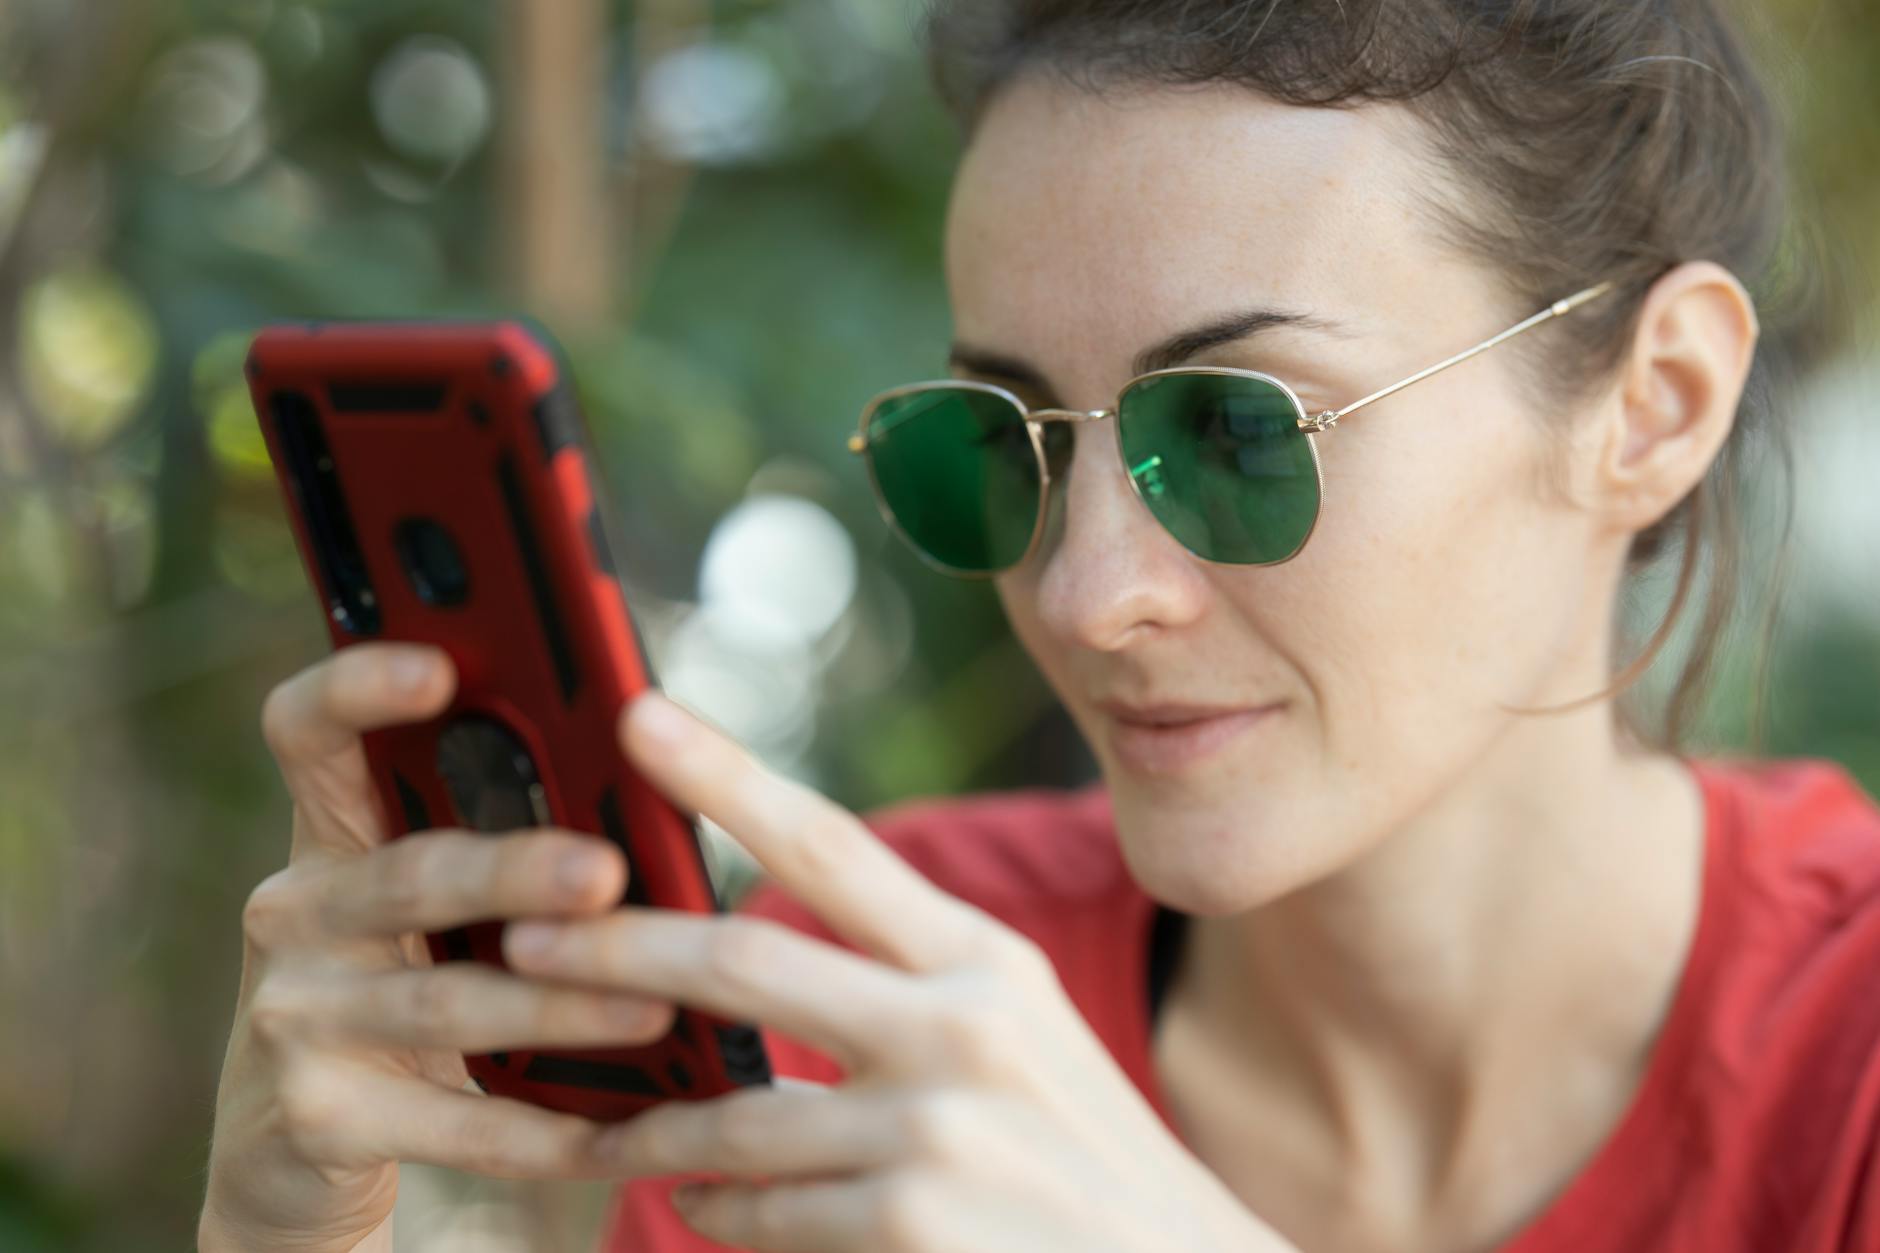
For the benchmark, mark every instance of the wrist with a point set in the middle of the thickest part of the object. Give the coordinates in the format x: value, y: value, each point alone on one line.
x: 213, y: 1235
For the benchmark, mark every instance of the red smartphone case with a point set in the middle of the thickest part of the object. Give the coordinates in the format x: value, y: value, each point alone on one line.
x: 438, y: 482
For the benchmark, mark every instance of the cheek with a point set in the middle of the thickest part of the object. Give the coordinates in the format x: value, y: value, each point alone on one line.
x: 1400, y: 635
x: 1018, y: 596
x: 1434, y: 587
x: 1439, y: 571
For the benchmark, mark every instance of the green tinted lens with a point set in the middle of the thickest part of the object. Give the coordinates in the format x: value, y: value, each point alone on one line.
x: 958, y: 471
x: 1221, y: 462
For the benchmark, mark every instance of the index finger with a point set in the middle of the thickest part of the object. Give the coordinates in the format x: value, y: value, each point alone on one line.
x: 818, y: 850
x: 313, y: 721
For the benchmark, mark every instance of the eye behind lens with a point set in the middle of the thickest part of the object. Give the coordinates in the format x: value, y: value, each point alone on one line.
x: 957, y: 474
x: 1221, y: 462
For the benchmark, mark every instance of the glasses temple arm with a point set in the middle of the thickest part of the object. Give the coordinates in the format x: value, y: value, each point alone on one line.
x: 1559, y: 307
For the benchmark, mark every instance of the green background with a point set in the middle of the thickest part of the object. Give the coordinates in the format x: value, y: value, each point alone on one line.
x: 764, y: 187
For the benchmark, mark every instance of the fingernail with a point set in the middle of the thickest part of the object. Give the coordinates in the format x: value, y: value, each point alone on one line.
x: 574, y: 870
x: 662, y: 721
x: 607, y: 1146
x: 410, y: 671
x: 530, y: 939
x: 631, y: 1014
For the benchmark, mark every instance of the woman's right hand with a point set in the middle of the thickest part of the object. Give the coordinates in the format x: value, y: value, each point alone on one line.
x: 346, y: 1053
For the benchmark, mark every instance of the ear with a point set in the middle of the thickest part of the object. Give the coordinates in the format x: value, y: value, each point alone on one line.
x: 1677, y: 394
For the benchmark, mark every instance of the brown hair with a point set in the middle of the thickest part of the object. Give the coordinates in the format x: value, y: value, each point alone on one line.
x: 1604, y: 138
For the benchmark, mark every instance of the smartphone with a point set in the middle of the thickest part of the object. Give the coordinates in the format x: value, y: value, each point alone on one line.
x: 439, y: 480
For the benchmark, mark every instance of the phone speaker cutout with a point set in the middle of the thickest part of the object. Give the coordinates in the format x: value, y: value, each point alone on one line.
x: 313, y: 478
x: 386, y: 397
x: 583, y: 1073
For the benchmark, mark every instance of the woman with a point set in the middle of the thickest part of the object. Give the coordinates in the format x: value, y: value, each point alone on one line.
x: 1382, y: 931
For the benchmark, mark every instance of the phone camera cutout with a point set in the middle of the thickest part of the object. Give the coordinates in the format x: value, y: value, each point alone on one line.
x: 314, y: 481
x: 432, y: 562
x: 490, y: 776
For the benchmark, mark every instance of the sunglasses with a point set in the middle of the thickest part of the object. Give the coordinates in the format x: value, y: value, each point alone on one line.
x: 1224, y: 459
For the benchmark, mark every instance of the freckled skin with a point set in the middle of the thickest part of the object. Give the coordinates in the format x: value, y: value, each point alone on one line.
x: 1439, y: 580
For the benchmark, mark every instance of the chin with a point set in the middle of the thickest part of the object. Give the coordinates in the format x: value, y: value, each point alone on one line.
x: 1212, y: 859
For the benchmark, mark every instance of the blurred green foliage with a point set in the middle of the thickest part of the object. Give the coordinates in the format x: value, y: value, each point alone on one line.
x: 172, y: 177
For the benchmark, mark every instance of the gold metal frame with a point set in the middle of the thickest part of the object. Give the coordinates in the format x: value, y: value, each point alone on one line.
x: 1034, y: 420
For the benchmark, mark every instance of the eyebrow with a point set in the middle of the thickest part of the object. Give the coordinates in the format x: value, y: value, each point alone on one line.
x: 1164, y: 355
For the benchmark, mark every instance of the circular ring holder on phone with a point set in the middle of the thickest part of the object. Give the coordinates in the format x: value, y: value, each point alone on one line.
x: 491, y: 777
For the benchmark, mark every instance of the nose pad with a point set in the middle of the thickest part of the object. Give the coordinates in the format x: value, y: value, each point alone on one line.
x: 1061, y: 453
x: 1109, y: 574
x: 1059, y: 446
x: 1059, y: 442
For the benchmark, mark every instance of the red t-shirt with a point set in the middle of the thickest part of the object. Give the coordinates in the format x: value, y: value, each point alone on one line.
x: 1756, y: 1127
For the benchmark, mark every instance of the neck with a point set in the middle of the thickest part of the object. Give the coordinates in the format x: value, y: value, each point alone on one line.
x: 1532, y: 918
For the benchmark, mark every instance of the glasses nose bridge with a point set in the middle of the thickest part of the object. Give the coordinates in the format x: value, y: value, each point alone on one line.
x: 1068, y: 415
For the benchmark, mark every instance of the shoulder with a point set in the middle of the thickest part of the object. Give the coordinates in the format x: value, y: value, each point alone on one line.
x: 1757, y: 1124
x: 1796, y: 922
x: 1790, y: 1062
x: 1805, y: 835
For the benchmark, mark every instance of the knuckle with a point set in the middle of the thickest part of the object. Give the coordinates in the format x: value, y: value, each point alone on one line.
x: 481, y: 1146
x: 279, y: 720
x: 294, y: 709
x: 1015, y: 953
x: 820, y: 851
x: 977, y: 1039
x: 769, y: 1216
x: 267, y: 913
x: 742, y: 1132
x: 437, y: 998
x: 652, y: 1143
x: 407, y: 874
x: 312, y: 1109
x: 939, y: 1124
x: 904, y: 1215
x: 273, y: 1015
x: 741, y: 951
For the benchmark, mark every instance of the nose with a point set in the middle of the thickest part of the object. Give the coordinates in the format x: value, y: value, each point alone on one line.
x: 1108, y: 575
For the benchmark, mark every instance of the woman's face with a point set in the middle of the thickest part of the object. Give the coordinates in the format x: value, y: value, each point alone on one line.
x: 1447, y: 573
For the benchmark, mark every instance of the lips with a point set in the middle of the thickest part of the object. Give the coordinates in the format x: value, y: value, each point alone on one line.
x: 1169, y: 737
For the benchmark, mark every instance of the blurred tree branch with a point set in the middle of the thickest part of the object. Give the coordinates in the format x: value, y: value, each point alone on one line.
x: 575, y: 248
x: 558, y: 231
x: 653, y: 188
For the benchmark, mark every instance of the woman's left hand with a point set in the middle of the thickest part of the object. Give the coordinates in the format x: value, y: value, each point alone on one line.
x: 978, y: 1110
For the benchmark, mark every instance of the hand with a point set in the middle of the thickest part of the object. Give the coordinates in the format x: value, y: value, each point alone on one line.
x: 978, y: 1112
x: 346, y: 1053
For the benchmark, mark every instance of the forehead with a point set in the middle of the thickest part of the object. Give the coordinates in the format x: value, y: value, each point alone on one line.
x: 1083, y: 224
